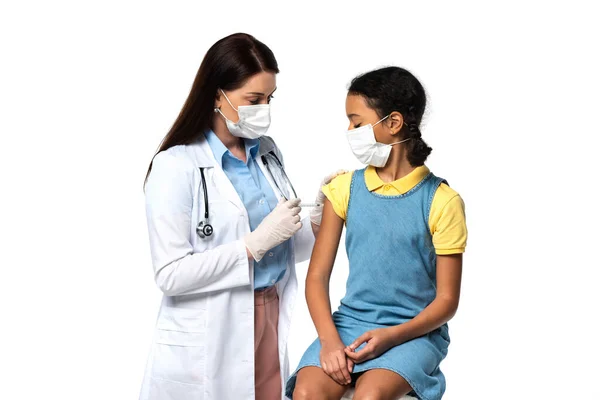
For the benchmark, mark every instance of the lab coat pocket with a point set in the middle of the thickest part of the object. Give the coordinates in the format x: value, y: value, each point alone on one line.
x: 179, y: 356
x: 167, y: 390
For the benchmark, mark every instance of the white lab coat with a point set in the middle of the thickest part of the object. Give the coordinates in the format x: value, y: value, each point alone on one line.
x: 203, y: 345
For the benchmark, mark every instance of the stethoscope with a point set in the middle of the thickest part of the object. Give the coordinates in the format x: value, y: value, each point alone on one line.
x: 205, y: 229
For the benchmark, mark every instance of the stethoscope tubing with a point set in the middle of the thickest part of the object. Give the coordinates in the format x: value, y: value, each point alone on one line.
x: 205, y: 229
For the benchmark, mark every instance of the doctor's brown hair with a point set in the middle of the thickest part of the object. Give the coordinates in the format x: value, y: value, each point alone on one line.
x: 227, y: 65
x: 392, y: 89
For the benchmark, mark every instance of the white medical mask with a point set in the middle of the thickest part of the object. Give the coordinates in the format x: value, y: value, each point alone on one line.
x: 366, y: 148
x: 253, y: 121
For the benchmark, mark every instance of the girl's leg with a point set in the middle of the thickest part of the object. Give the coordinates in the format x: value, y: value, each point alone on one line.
x: 313, y: 383
x: 381, y: 384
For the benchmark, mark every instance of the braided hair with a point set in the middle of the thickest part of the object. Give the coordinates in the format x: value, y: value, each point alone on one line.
x: 392, y: 89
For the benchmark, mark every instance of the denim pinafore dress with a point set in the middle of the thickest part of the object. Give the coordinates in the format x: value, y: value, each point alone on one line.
x: 392, y: 278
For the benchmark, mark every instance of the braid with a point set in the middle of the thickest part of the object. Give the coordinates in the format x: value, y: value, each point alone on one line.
x: 418, y: 150
x: 414, y: 131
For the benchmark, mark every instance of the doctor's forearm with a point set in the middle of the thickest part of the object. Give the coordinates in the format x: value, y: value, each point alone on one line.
x: 224, y: 267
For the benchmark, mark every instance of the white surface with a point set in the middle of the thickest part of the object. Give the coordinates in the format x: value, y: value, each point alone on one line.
x: 350, y: 393
x: 88, y: 90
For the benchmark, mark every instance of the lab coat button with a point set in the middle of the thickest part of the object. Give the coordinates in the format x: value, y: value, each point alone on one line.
x: 262, y: 201
x: 271, y: 254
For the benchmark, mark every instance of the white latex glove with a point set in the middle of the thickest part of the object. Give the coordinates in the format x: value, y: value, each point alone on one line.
x: 275, y: 228
x: 316, y: 214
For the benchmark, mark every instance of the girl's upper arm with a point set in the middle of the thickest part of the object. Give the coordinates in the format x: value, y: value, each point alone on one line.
x: 449, y: 229
x: 327, y: 243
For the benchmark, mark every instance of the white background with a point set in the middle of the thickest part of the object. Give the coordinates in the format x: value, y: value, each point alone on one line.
x: 88, y: 90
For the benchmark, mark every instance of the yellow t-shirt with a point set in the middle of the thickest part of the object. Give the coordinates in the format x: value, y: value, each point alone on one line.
x: 447, y: 221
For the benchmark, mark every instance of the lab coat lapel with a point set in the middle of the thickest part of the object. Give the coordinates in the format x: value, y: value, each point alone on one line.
x: 206, y: 159
x: 274, y: 168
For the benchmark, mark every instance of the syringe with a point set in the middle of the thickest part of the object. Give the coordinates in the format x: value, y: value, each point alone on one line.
x: 310, y: 205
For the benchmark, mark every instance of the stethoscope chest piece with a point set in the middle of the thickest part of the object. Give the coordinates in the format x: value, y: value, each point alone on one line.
x: 204, y: 229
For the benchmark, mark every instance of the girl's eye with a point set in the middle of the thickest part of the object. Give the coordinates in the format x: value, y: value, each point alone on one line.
x: 254, y: 102
x: 357, y: 126
x: 270, y: 98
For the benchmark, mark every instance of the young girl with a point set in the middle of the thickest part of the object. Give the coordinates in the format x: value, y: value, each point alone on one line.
x: 405, y: 237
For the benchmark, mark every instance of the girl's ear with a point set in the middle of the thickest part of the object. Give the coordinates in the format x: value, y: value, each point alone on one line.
x: 396, y: 122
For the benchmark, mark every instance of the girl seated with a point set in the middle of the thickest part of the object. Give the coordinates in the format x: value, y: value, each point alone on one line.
x: 405, y: 235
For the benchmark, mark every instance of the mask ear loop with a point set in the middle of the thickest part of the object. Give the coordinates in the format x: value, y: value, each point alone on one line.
x: 227, y: 98
x: 387, y: 116
x: 402, y: 141
x: 221, y: 112
x: 218, y: 110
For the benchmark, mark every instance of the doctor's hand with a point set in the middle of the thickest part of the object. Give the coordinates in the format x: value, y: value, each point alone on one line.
x: 316, y: 214
x: 277, y: 227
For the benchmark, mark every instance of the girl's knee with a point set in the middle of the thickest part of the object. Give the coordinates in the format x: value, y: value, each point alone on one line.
x: 369, y: 392
x: 307, y: 390
x: 304, y: 391
x: 381, y: 385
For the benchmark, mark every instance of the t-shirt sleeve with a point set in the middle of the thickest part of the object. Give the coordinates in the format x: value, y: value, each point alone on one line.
x: 448, y: 225
x: 338, y: 193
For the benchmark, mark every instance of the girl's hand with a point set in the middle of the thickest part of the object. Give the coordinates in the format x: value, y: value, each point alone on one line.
x: 378, y: 342
x: 335, y: 363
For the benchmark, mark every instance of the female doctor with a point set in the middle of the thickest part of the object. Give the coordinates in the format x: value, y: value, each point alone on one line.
x: 225, y: 234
